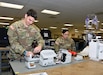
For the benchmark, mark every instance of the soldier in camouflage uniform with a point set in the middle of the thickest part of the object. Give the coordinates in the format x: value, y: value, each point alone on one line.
x: 64, y: 42
x: 21, y: 35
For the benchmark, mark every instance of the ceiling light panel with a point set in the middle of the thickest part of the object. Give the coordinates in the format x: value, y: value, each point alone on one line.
x: 64, y: 28
x: 101, y: 23
x: 50, y: 12
x: 36, y: 20
x: 1, y: 23
x: 101, y: 29
x: 6, y: 18
x: 68, y: 24
x: 53, y: 27
x: 10, y: 5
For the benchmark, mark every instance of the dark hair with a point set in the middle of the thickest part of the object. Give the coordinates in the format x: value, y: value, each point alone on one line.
x: 63, y: 31
x: 32, y: 13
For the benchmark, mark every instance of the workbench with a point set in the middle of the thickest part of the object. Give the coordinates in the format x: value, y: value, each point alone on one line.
x: 82, y: 68
x: 19, y: 67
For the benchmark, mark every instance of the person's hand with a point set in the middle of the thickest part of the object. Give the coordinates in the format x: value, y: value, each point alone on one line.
x: 37, y: 49
x: 28, y: 53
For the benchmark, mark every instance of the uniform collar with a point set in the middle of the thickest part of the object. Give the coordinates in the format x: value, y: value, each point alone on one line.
x: 23, y: 24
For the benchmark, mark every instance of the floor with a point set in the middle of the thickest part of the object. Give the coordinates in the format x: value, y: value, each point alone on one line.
x: 6, y: 73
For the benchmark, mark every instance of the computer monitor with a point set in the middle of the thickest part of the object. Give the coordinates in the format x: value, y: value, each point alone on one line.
x: 3, y: 37
x: 46, y: 34
x: 49, y: 44
x: 52, y: 42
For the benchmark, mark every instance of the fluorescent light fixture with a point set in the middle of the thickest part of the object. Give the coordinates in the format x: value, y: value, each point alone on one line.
x: 64, y: 28
x: 98, y: 32
x: 85, y: 31
x: 6, y: 18
x: 101, y: 29
x: 50, y: 12
x: 68, y: 24
x: 4, y: 23
x: 84, y: 25
x: 93, y: 31
x: 88, y: 25
x: 9, y: 5
x: 36, y: 21
x: 53, y: 27
x: 76, y: 31
x: 91, y: 28
x: 101, y: 23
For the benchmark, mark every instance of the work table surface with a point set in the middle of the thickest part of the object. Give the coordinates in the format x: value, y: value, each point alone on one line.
x: 20, y: 67
x: 83, y: 68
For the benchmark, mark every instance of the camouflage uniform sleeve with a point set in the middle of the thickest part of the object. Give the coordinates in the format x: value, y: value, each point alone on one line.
x: 39, y: 38
x: 56, y: 46
x: 73, y: 45
x: 13, y: 39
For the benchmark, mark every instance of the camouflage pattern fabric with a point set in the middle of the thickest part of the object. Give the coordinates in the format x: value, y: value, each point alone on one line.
x: 67, y: 44
x: 21, y: 38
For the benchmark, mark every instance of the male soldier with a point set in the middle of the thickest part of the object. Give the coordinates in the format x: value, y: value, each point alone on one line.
x: 22, y: 33
x: 64, y: 42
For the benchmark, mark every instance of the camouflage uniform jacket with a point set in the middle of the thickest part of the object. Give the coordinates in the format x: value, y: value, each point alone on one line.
x: 67, y: 44
x: 21, y: 38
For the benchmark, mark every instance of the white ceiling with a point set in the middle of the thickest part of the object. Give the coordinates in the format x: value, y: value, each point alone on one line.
x: 71, y: 11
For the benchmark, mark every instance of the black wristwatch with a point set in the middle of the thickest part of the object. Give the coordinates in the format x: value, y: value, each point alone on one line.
x: 24, y: 53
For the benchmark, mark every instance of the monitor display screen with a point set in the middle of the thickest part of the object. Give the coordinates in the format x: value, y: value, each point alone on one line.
x: 3, y: 37
x: 52, y: 42
x: 46, y: 34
